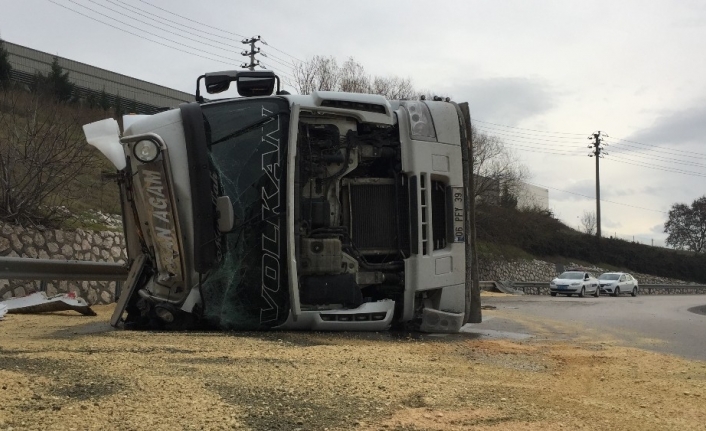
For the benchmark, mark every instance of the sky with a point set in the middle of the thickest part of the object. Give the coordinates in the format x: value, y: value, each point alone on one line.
x: 541, y: 75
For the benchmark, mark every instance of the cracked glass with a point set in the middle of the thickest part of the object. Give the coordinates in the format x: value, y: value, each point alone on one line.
x: 247, y: 288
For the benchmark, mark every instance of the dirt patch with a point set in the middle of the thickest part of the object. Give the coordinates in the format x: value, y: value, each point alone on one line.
x: 60, y: 372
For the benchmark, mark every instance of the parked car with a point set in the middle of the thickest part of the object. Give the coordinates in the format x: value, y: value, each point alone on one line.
x: 617, y: 283
x: 575, y: 282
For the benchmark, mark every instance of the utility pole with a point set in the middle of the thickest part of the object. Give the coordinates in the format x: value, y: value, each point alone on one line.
x: 251, y: 53
x: 597, y: 147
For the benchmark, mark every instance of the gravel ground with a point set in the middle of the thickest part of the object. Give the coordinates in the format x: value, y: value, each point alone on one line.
x: 64, y: 371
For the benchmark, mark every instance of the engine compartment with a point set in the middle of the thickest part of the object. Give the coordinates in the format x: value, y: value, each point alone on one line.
x: 352, y: 213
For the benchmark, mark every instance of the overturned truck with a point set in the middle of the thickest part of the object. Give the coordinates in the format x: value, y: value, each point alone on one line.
x: 330, y: 211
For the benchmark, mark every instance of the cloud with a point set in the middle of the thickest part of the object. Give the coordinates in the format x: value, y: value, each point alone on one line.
x: 507, y: 100
x: 658, y: 229
x: 678, y: 127
x: 610, y: 224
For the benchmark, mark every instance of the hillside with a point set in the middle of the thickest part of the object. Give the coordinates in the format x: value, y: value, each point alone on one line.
x: 521, y: 234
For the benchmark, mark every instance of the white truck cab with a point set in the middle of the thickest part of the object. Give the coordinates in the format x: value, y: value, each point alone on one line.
x: 329, y: 211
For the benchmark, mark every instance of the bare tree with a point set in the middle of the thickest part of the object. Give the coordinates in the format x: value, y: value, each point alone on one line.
x: 353, y: 78
x: 495, y: 169
x: 42, y: 153
x: 394, y: 88
x: 319, y: 73
x: 589, y: 222
x: 324, y: 73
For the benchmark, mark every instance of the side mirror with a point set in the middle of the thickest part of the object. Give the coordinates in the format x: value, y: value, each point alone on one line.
x: 255, y: 83
x: 250, y: 83
x: 219, y: 82
x: 224, y: 210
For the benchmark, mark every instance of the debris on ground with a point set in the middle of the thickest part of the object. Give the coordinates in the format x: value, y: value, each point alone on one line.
x: 39, y: 302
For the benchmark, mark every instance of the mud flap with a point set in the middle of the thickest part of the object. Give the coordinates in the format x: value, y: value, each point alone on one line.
x: 441, y: 321
x: 128, y: 289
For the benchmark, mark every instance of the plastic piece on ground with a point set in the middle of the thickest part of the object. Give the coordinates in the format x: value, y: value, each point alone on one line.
x: 38, y: 302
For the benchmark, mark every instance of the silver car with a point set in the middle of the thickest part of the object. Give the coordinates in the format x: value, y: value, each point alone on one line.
x: 574, y: 283
x: 617, y: 283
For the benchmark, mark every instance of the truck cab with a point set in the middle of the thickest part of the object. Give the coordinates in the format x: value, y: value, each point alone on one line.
x: 328, y: 211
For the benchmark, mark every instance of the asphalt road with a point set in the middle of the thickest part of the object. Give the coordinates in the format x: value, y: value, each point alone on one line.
x: 673, y: 324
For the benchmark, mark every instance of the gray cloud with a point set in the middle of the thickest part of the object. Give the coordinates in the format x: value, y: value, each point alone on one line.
x: 508, y: 100
x: 658, y: 229
x: 679, y: 127
x: 610, y: 224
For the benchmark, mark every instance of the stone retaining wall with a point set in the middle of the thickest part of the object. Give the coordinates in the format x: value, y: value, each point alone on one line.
x: 541, y: 271
x: 643, y: 290
x: 108, y: 246
x: 17, y: 241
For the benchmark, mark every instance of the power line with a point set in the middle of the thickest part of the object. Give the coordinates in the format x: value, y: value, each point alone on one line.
x: 662, y: 148
x: 285, y: 78
x: 154, y: 16
x: 141, y: 36
x: 522, y: 134
x: 191, y: 20
x: 636, y: 149
x: 215, y: 28
x: 521, y: 137
x: 531, y: 130
x: 153, y: 34
x: 602, y: 200
x: 287, y: 62
x: 534, y: 150
x: 663, y: 159
x: 273, y: 58
x: 153, y: 19
x: 660, y: 168
x: 279, y: 50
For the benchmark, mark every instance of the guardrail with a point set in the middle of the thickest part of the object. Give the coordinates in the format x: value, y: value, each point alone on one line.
x: 542, y: 288
x: 21, y: 268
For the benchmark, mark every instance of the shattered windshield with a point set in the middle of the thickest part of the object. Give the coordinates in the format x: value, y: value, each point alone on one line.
x: 247, y: 289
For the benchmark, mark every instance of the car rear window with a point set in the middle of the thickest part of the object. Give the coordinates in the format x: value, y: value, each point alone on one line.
x: 572, y: 275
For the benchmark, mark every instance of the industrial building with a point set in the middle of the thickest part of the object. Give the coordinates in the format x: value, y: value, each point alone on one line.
x: 142, y: 96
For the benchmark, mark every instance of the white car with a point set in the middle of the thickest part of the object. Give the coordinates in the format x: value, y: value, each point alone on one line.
x: 616, y: 283
x: 575, y: 282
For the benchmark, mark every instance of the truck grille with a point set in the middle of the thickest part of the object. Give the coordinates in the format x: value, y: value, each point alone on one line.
x: 375, y: 225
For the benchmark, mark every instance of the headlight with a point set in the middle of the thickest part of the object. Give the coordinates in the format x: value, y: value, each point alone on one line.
x: 146, y: 151
x: 420, y: 123
x: 575, y: 284
x: 552, y: 283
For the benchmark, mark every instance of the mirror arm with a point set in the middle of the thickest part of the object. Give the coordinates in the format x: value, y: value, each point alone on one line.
x: 198, y: 89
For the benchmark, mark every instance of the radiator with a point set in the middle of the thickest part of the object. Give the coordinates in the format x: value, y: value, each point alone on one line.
x: 373, y: 212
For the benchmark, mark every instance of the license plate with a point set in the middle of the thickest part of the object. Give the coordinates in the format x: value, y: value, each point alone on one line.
x: 459, y: 226
x: 562, y: 287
